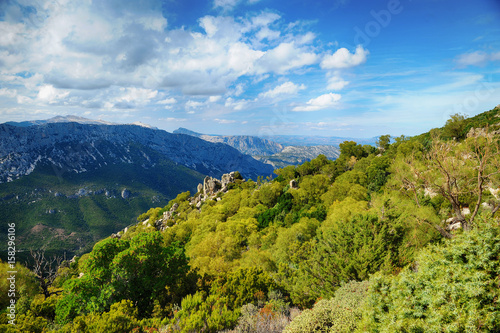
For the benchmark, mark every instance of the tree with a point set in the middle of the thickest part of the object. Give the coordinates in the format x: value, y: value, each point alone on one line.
x: 383, y: 142
x: 455, y: 127
x: 46, y: 270
x: 142, y: 270
x: 458, y: 171
x: 451, y: 287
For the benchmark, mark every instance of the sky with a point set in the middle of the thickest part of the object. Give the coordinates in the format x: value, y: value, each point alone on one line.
x: 346, y: 68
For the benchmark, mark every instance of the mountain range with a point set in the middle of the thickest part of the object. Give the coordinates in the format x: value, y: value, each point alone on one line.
x: 68, y: 181
x: 293, y: 151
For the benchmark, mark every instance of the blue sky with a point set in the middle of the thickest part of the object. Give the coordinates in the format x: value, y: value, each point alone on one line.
x: 347, y: 68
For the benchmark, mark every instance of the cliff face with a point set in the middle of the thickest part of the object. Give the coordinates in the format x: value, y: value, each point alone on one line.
x: 246, y: 144
x: 78, y: 147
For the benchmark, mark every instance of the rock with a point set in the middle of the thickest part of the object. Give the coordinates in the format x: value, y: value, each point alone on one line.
x: 199, y: 188
x: 81, y: 192
x: 294, y: 184
x: 125, y: 194
x: 455, y: 226
x: 211, y: 185
x: 227, y: 179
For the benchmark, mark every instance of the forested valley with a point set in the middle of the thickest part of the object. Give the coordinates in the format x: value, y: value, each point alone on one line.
x: 402, y: 237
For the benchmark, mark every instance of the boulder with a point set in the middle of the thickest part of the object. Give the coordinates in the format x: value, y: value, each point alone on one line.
x: 211, y: 185
x: 125, y: 193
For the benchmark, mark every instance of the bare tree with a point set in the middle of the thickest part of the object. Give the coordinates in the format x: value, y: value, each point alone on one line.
x: 46, y: 270
x: 459, y: 171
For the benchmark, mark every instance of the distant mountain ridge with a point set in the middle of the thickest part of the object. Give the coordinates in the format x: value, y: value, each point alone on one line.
x: 268, y: 151
x: 251, y: 145
x: 79, y: 146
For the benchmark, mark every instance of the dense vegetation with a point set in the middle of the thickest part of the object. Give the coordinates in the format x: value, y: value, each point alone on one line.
x: 66, y: 212
x: 404, y: 237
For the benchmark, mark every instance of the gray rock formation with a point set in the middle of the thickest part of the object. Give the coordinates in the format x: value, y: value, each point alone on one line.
x: 246, y: 144
x: 79, y: 147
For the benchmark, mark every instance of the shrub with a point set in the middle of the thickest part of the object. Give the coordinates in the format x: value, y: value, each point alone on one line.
x: 450, y: 288
x: 339, y: 314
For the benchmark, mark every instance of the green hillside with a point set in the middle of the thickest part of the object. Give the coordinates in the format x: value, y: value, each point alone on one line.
x: 66, y: 212
x: 400, y: 238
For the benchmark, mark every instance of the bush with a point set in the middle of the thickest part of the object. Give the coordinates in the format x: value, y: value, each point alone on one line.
x: 339, y: 314
x: 450, y: 288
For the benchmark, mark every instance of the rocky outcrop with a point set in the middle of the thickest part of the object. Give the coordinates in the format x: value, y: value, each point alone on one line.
x: 211, y: 189
x: 211, y: 185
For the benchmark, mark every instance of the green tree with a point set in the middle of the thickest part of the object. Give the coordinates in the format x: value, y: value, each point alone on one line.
x: 451, y: 287
x: 142, y: 270
x: 383, y: 142
x: 455, y: 127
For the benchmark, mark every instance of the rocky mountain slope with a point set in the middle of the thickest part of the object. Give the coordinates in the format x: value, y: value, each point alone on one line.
x: 268, y: 151
x: 295, y: 155
x: 76, y: 147
x: 68, y: 182
x: 246, y: 144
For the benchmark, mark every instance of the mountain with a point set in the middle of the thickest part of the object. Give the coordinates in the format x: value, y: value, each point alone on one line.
x: 295, y: 155
x: 79, y: 147
x: 268, y: 151
x: 246, y: 144
x: 68, y: 182
x: 313, y: 140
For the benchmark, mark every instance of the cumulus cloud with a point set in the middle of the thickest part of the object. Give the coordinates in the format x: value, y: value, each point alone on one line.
x: 319, y: 103
x: 124, y: 55
x: 477, y: 58
x: 285, y: 57
x: 169, y: 100
x: 51, y: 95
x: 342, y: 58
x: 336, y: 83
x: 287, y: 88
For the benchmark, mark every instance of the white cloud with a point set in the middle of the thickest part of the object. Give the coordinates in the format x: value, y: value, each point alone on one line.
x: 11, y: 93
x: 285, y: 57
x: 342, y: 58
x: 51, y: 95
x: 172, y: 119
x: 225, y: 4
x: 225, y: 121
x: 336, y: 83
x: 193, y: 104
x: 477, y: 58
x: 137, y: 95
x: 169, y: 100
x: 101, y: 55
x: 213, y: 99
x: 236, y: 105
x: 287, y: 88
x: 319, y: 103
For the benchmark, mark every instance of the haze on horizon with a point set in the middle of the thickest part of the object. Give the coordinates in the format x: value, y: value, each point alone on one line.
x: 342, y: 68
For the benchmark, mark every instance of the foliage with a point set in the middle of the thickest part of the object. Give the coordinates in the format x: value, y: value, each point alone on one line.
x: 220, y: 308
x: 339, y: 314
x: 140, y: 270
x: 247, y: 259
x: 450, y: 288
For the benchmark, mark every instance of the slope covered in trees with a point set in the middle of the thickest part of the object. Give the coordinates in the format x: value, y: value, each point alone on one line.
x: 404, y: 237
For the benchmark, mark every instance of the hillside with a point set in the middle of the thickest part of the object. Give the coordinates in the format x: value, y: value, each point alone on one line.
x: 69, y: 182
x: 401, y: 238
